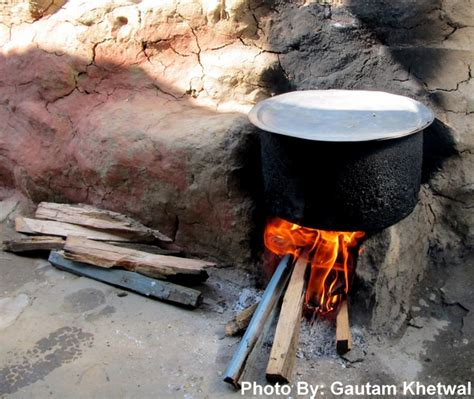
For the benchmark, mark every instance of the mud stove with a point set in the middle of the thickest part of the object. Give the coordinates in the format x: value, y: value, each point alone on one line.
x: 336, y: 165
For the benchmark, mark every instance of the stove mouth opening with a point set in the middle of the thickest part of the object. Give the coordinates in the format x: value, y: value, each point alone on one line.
x: 330, y: 255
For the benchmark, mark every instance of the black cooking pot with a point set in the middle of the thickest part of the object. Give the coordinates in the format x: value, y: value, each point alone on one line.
x: 345, y: 167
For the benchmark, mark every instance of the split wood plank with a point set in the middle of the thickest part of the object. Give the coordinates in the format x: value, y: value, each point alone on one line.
x: 90, y: 216
x: 162, y: 290
x: 33, y: 243
x: 152, y: 249
x: 240, y: 321
x: 157, y: 266
x: 50, y: 227
x: 343, y: 331
x: 285, y: 344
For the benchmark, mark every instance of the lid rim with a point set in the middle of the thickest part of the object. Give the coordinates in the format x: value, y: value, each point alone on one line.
x: 425, y: 113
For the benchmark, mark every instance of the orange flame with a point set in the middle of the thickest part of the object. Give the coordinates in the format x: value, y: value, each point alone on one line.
x: 330, y: 256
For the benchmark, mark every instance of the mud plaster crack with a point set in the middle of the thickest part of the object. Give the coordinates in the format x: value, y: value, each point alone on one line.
x: 9, y: 27
x: 262, y: 50
x: 450, y: 198
x: 48, y: 103
x: 285, y: 73
x: 94, y: 48
x: 439, y: 89
x: 192, y: 91
x: 167, y: 93
x: 455, y: 28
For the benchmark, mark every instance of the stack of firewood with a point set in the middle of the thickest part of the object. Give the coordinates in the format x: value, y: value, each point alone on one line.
x: 113, y: 248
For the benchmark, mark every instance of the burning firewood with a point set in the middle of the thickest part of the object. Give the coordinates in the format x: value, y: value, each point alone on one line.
x: 343, y: 331
x: 240, y: 321
x: 331, y: 256
x: 285, y: 343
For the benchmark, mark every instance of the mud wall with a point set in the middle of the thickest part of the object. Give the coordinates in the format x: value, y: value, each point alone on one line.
x: 140, y: 107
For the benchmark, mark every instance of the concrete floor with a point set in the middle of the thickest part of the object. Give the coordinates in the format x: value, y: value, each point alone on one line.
x: 64, y: 336
x: 75, y: 337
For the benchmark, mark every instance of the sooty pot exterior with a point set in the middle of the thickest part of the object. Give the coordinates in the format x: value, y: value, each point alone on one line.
x: 343, y: 186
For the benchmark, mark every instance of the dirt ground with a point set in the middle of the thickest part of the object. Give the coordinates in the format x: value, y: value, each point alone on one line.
x: 64, y: 336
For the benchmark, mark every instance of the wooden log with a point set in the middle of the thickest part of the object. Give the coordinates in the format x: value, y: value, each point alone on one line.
x: 50, y: 227
x: 285, y: 343
x: 157, y: 266
x: 240, y: 321
x: 33, y: 243
x: 343, y: 331
x: 162, y: 290
x: 89, y: 216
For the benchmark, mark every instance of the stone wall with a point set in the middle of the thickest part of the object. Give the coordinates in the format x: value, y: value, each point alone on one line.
x: 140, y: 108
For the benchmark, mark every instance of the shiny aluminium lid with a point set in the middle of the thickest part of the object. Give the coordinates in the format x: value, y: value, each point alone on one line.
x: 341, y: 115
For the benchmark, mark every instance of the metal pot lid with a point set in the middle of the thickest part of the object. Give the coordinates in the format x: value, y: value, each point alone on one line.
x: 341, y: 115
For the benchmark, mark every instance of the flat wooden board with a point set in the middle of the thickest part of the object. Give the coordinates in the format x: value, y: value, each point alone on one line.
x: 135, y: 282
x: 106, y: 255
x: 90, y: 216
x: 50, y: 227
x: 283, y: 353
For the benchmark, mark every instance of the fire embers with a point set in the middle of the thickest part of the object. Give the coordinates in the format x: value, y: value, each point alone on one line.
x: 330, y: 253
